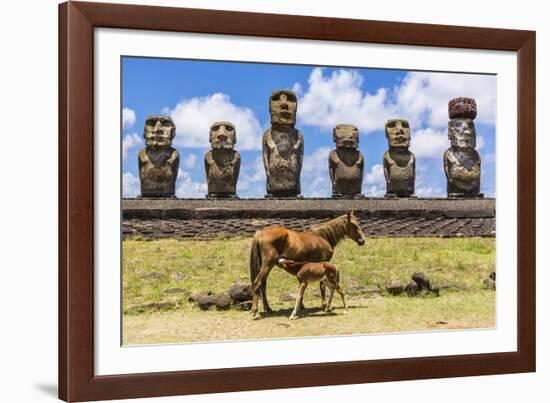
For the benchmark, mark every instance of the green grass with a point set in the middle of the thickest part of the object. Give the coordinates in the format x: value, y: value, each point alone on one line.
x: 153, y: 316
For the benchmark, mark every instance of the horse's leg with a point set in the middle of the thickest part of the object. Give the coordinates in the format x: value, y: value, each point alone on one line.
x: 254, y: 309
x: 299, y: 297
x: 263, y: 291
x: 258, y: 287
x: 331, y: 294
x: 322, y: 288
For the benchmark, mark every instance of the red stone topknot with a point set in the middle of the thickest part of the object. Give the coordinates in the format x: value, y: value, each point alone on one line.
x: 462, y: 107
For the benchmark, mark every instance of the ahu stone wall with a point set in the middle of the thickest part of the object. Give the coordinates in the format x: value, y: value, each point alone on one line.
x: 203, y: 219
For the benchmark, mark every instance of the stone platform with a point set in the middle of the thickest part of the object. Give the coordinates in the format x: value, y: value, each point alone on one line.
x: 200, y: 218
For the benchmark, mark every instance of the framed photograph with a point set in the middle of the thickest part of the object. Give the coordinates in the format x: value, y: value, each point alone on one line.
x: 256, y: 201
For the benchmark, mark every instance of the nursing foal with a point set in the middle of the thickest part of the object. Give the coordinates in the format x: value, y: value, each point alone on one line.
x: 308, y: 272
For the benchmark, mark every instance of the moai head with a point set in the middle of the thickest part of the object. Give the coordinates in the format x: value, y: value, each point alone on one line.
x: 159, y: 131
x: 282, y: 107
x: 398, y: 133
x: 462, y: 133
x: 461, y: 128
x: 223, y: 135
x: 346, y: 136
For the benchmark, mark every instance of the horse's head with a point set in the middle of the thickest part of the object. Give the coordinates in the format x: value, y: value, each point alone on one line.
x: 353, y: 230
x: 284, y: 262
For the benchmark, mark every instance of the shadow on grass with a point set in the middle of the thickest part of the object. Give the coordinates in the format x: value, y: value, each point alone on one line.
x: 305, y: 312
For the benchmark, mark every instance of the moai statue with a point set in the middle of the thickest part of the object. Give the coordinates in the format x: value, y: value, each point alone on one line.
x: 158, y: 162
x: 283, y: 147
x: 346, y: 163
x: 222, y: 163
x: 399, y: 162
x: 462, y: 162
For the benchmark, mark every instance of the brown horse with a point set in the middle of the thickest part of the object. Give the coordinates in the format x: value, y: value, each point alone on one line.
x: 309, y: 272
x: 314, y: 245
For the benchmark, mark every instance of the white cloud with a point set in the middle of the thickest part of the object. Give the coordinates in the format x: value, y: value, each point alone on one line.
x: 480, y: 142
x: 430, y: 192
x: 187, y: 188
x: 317, y: 162
x: 338, y: 98
x: 297, y: 88
x: 129, y: 142
x: 374, y: 183
x: 315, y: 179
x: 254, y: 172
x: 194, y: 116
x: 429, y: 143
x: 130, y: 185
x: 430, y: 178
x: 190, y: 161
x: 252, y: 179
x: 128, y: 118
x: 421, y: 97
x: 374, y: 190
x: 375, y: 176
x: 318, y: 186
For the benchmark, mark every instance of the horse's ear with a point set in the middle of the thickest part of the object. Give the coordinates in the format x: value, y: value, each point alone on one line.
x: 349, y: 215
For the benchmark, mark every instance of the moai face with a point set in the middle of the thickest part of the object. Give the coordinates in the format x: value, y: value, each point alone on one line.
x: 462, y: 133
x: 346, y: 136
x: 159, y: 131
x: 223, y: 135
x: 282, y: 107
x: 398, y: 133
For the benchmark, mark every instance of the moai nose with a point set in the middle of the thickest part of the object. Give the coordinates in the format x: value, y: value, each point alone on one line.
x: 284, y: 99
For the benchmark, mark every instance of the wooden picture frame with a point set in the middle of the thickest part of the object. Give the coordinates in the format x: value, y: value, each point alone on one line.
x: 77, y: 21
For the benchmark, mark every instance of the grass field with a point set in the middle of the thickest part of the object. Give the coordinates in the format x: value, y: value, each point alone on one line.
x: 159, y: 276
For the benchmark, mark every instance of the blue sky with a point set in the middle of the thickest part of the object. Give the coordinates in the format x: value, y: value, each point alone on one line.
x: 198, y: 93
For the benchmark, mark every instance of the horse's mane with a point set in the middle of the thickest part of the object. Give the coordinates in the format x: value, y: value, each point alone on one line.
x: 334, y: 230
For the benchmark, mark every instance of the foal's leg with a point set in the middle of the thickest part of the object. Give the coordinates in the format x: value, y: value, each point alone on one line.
x: 299, y: 297
x: 339, y: 290
x: 302, y: 306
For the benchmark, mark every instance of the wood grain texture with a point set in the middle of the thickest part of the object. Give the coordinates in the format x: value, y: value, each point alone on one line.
x: 76, y: 205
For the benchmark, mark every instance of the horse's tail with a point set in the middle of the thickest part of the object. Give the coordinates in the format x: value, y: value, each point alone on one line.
x: 255, y: 258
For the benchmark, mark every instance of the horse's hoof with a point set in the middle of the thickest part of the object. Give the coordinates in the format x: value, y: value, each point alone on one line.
x: 268, y: 310
x: 256, y: 316
x: 293, y: 318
